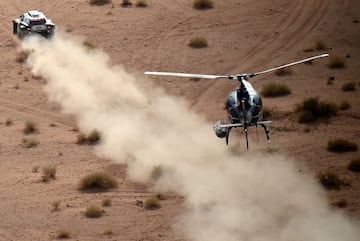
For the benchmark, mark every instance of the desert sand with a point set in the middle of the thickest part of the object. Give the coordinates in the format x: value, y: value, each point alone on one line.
x: 243, y: 36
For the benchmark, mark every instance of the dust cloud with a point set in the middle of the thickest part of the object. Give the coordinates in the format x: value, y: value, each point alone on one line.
x: 228, y: 198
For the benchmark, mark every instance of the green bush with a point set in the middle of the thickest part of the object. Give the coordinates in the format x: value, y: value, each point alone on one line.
x: 274, y: 89
x: 354, y: 165
x: 203, y: 4
x: 198, y: 42
x: 98, y: 181
x: 340, y: 145
x: 312, y: 109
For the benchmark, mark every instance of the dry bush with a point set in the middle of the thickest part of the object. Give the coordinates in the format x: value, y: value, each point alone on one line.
x: 93, y: 212
x: 160, y: 196
x: 341, y: 145
x: 98, y: 181
x: 336, y: 62
x: 342, y: 203
x: 99, y: 2
x: 349, y: 86
x: 108, y: 232
x: 331, y: 181
x: 35, y: 168
x: 354, y: 165
x: 30, y: 143
x: 284, y: 72
x: 48, y: 172
x: 126, y: 3
x: 30, y: 127
x: 22, y: 56
x: 141, y: 4
x: 89, y: 45
x: 106, y: 202
x: 9, y: 122
x: 152, y: 204
x: 344, y: 105
x: 92, y: 139
x: 274, y: 89
x: 320, y: 45
x: 203, y: 4
x: 198, y: 42
x: 55, y: 206
x: 311, y: 109
x: 63, y: 234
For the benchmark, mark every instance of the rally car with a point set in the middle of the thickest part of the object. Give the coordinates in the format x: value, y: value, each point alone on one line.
x: 33, y: 22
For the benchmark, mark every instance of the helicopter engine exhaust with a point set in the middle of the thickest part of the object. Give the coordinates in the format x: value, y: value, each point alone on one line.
x: 220, y: 131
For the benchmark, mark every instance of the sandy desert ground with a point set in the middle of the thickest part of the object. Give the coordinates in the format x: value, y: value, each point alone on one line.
x: 269, y: 193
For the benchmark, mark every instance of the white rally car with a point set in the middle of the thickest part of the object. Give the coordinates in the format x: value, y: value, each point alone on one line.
x: 33, y: 22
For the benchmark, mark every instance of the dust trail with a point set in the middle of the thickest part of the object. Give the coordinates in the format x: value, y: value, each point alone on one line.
x: 229, y: 198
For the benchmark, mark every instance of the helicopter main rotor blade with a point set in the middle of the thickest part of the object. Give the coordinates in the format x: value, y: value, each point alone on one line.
x: 202, y: 76
x: 290, y: 64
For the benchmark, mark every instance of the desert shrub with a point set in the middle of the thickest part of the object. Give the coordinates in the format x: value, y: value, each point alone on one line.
x: 203, y: 4
x: 126, y: 3
x: 55, y: 205
x: 160, y: 196
x: 91, y: 139
x: 93, y: 212
x: 198, y: 42
x: 9, y: 122
x: 99, y: 2
x: 344, y: 105
x: 331, y: 181
x: 274, y: 89
x: 349, y: 86
x: 336, y: 62
x: 30, y: 143
x: 63, y: 234
x: 320, y: 45
x: 48, y: 172
x: 266, y: 113
x: 141, y: 4
x: 342, y: 203
x: 354, y: 165
x: 106, y: 202
x: 30, y: 127
x: 108, y: 232
x: 22, y: 56
x: 89, y: 45
x: 157, y: 172
x: 152, y: 203
x: 35, y: 168
x: 283, y: 72
x: 312, y: 109
x: 341, y: 145
x: 98, y: 181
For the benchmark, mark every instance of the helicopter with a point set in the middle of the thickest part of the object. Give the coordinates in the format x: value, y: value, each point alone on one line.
x: 243, y: 105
